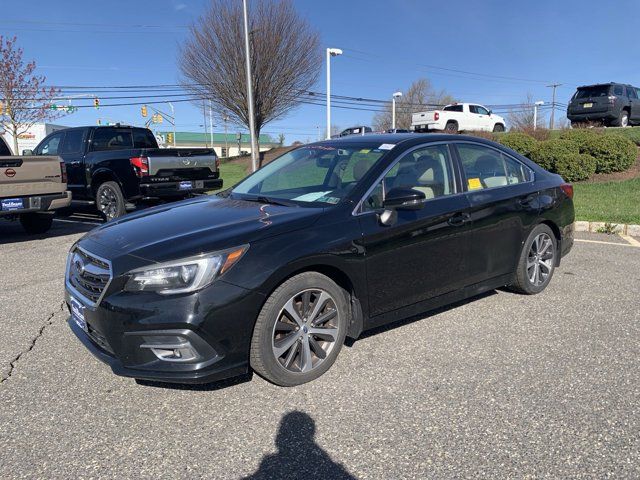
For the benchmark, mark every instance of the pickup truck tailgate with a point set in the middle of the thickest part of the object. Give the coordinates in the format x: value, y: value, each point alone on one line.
x: 422, y: 117
x: 172, y: 164
x: 32, y: 175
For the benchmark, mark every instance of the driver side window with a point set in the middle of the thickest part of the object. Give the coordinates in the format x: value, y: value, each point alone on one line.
x: 50, y: 146
x: 427, y: 169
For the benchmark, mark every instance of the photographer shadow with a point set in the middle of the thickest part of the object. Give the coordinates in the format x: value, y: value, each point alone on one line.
x: 298, y: 455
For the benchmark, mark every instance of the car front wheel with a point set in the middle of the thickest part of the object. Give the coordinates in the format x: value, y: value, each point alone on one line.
x: 537, y: 261
x: 300, y: 330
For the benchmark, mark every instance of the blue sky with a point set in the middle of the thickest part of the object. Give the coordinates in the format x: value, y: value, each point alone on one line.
x: 387, y: 45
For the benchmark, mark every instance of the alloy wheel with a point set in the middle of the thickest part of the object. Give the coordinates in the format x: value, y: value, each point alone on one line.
x: 540, y: 260
x: 108, y: 202
x: 305, y: 331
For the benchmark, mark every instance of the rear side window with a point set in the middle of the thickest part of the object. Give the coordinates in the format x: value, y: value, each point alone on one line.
x: 144, y: 139
x: 617, y: 90
x: 111, y: 139
x: 631, y: 93
x: 73, y: 141
x: 453, y: 108
x: 485, y: 167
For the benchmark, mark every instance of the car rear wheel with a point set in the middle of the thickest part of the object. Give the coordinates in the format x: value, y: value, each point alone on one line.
x: 537, y: 261
x: 110, y: 201
x: 451, y: 127
x: 300, y: 330
x: 36, y: 222
x: 622, y: 121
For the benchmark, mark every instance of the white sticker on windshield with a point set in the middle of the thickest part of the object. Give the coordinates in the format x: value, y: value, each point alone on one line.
x: 386, y: 146
x: 311, y: 197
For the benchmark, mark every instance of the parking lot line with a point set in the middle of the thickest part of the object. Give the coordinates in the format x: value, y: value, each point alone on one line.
x: 631, y: 240
x: 611, y: 243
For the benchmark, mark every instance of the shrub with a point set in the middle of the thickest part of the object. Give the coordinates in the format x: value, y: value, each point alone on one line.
x: 548, y: 152
x: 632, y: 134
x: 580, y: 136
x: 613, y: 153
x: 518, y: 141
x: 575, y: 166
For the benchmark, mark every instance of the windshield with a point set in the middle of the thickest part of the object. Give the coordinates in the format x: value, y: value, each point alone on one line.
x: 595, y: 91
x: 316, y: 173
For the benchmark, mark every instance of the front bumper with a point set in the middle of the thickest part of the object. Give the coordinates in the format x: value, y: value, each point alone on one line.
x: 41, y: 203
x: 217, y: 323
x: 172, y: 189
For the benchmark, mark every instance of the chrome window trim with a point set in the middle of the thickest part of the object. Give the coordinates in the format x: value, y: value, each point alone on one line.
x: 358, y: 206
x: 76, y: 294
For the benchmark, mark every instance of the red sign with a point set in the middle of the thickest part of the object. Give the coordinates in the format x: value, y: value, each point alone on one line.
x: 10, y: 172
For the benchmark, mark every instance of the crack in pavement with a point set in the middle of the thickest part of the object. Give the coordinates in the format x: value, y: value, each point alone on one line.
x: 48, y: 322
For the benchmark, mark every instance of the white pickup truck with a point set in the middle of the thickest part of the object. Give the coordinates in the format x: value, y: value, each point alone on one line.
x: 458, y: 117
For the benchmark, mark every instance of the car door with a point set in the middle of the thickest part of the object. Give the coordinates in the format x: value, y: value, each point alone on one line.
x: 482, y: 117
x: 423, y: 254
x: 634, y: 102
x: 72, y: 152
x: 503, y: 205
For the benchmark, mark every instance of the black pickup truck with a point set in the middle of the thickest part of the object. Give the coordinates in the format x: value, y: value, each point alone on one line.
x: 117, y: 166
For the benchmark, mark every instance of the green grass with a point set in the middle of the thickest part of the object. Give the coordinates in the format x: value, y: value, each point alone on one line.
x: 615, y: 202
x: 232, y: 173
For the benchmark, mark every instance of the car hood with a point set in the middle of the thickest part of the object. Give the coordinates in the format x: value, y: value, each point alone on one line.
x: 194, y: 226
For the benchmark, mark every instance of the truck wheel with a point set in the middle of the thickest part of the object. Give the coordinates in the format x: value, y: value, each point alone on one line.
x: 622, y: 121
x: 35, y: 222
x: 498, y: 127
x: 451, y: 127
x: 110, y: 201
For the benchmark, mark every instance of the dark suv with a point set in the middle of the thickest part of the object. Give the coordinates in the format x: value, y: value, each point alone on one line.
x: 613, y: 104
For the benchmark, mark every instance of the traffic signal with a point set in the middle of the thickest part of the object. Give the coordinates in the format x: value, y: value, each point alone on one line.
x: 144, y: 110
x: 96, y: 102
x: 169, y: 137
x: 159, y: 118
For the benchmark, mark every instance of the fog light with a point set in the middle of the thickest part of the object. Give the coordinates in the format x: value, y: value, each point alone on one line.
x: 171, y: 348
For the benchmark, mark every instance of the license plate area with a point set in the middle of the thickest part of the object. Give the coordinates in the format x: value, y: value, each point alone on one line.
x: 10, y: 204
x: 77, y: 313
x: 587, y: 105
x: 185, y: 186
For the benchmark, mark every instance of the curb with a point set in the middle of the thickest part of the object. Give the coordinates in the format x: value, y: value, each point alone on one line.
x: 623, y: 228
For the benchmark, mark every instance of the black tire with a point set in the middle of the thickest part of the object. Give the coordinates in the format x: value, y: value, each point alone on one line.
x: 35, y: 223
x: 622, y: 121
x: 451, y: 127
x: 498, y: 127
x: 110, y: 201
x: 523, y: 282
x: 263, y: 357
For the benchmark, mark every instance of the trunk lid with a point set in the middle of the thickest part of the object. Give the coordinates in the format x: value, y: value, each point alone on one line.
x: 24, y: 176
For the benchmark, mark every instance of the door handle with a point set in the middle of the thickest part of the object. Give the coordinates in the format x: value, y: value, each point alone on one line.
x: 526, y: 201
x: 459, y: 219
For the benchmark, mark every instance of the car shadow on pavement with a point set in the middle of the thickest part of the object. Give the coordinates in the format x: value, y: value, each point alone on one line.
x: 349, y: 342
x: 12, y: 231
x: 298, y: 455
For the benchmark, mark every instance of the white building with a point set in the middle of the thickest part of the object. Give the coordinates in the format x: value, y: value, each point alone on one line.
x: 32, y: 137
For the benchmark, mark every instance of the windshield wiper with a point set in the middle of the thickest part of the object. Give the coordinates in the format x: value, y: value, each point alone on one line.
x: 270, y: 201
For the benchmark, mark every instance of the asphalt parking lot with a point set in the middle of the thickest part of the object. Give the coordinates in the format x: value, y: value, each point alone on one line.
x: 501, y: 386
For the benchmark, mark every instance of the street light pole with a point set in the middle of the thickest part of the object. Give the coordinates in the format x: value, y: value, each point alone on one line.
x: 331, y: 52
x: 535, y: 113
x: 252, y: 120
x: 210, y: 123
x: 393, y: 109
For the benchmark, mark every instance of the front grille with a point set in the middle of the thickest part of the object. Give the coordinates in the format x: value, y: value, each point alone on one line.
x: 88, y: 275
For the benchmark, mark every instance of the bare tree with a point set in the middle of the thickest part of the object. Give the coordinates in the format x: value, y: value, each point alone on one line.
x: 420, y: 96
x: 521, y: 116
x: 24, y: 97
x: 285, y: 57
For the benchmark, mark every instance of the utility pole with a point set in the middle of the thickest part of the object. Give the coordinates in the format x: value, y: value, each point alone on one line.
x: 204, y: 123
x: 553, y: 103
x: 173, y: 115
x: 226, y: 141
x: 211, y: 123
x: 252, y: 120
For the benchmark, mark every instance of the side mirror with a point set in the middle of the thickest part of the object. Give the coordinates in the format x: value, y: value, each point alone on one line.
x: 27, y: 152
x: 404, y: 198
x: 490, y: 112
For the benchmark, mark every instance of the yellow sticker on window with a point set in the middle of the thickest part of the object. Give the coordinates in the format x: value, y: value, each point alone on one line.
x: 365, y: 150
x: 474, y: 183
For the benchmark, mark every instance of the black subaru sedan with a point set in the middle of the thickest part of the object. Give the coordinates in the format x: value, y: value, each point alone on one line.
x: 325, y: 242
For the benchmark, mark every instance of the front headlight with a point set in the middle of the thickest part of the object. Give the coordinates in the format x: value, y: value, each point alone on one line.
x: 185, y: 275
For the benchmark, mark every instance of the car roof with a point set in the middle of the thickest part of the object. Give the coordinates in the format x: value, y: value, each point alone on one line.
x: 398, y: 138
